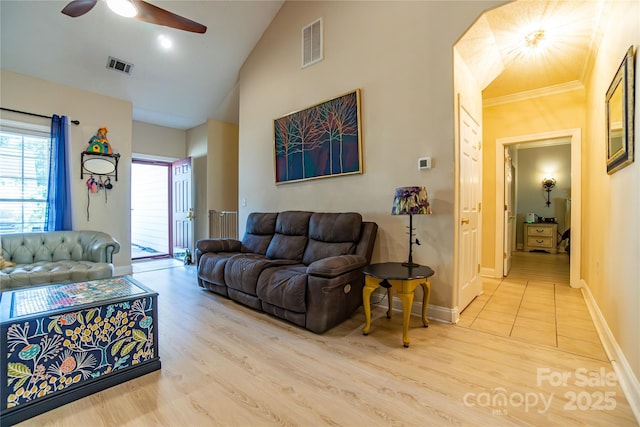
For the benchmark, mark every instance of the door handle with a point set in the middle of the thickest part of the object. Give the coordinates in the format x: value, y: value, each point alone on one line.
x: 465, y: 221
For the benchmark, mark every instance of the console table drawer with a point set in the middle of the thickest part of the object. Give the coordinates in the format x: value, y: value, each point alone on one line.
x: 540, y: 231
x: 541, y: 242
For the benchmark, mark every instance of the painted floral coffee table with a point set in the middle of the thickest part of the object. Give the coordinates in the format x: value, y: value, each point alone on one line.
x: 59, y: 343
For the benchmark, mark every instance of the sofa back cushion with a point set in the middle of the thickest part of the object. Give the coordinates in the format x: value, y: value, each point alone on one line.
x: 29, y: 248
x: 259, y: 232
x: 332, y: 234
x: 290, y: 239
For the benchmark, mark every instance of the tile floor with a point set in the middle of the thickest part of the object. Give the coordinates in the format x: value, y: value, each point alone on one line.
x: 535, y: 303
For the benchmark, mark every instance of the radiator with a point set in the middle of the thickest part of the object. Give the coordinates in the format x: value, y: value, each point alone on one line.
x: 223, y: 224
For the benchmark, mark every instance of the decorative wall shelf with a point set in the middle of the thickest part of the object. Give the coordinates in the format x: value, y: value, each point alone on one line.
x: 99, y: 164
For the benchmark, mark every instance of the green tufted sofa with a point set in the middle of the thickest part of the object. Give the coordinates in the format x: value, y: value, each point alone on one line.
x: 56, y: 257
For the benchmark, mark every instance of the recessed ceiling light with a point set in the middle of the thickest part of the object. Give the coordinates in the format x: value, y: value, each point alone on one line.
x: 123, y: 8
x: 165, y: 41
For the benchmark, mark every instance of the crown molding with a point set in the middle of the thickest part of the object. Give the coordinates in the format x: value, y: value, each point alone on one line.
x: 535, y: 93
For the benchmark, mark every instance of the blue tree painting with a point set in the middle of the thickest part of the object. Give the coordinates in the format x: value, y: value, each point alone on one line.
x: 320, y: 141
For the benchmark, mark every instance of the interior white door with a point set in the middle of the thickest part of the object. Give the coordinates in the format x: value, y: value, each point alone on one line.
x: 182, y: 212
x: 469, y: 283
x: 509, y: 215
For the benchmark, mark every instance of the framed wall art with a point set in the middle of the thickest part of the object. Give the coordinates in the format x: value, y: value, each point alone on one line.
x: 619, y: 107
x: 321, y: 141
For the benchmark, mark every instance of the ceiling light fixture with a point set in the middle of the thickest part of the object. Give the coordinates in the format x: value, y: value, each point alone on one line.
x: 123, y: 8
x: 165, y: 41
x: 534, y: 39
x: 531, y: 44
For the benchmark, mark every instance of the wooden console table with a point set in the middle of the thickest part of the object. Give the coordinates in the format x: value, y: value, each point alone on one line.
x: 405, y: 280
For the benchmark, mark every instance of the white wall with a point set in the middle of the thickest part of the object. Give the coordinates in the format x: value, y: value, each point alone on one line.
x: 214, y: 149
x: 197, y: 141
x: 158, y: 141
x: 400, y: 54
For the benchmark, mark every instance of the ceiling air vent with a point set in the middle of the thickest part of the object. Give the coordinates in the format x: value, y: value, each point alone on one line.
x: 119, y: 65
x: 312, y: 43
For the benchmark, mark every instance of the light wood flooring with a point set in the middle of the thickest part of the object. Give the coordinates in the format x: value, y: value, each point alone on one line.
x: 536, y: 304
x: 227, y: 365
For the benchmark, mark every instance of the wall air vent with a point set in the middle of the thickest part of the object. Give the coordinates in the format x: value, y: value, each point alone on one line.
x: 312, y: 43
x: 119, y: 65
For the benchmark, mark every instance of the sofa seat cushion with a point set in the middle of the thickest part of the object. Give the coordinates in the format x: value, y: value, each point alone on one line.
x: 284, y: 287
x: 241, y: 272
x: 211, y: 266
x: 42, y: 272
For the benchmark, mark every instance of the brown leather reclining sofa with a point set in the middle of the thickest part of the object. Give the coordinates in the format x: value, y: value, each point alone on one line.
x: 304, y: 267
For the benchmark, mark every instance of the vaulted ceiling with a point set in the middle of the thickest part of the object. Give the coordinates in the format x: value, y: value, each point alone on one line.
x: 179, y: 87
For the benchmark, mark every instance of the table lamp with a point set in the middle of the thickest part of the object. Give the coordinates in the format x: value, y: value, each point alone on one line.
x: 411, y: 201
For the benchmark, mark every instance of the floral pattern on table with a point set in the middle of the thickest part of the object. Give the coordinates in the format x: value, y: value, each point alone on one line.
x: 51, y: 353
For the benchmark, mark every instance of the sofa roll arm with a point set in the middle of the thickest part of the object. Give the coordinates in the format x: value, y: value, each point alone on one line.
x: 102, y: 248
x: 218, y: 245
x: 336, y: 265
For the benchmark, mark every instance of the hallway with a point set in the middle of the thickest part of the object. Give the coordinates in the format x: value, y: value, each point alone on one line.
x: 535, y: 304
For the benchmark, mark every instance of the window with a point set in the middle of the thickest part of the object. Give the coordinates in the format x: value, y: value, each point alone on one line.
x: 24, y: 175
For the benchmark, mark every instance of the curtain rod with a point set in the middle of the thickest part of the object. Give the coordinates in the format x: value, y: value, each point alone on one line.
x: 75, y: 122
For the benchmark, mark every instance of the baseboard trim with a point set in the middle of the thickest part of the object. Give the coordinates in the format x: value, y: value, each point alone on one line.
x: 434, y: 312
x: 490, y: 272
x: 123, y: 270
x: 626, y: 377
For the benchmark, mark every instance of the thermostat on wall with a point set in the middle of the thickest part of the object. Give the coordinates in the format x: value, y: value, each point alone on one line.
x: 424, y: 163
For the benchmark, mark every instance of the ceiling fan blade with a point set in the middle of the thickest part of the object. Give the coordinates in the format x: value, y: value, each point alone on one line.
x: 78, y: 7
x: 155, y: 15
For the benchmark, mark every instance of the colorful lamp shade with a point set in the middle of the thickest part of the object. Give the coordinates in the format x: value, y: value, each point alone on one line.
x: 411, y: 201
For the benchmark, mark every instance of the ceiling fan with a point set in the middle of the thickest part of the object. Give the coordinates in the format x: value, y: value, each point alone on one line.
x: 138, y: 9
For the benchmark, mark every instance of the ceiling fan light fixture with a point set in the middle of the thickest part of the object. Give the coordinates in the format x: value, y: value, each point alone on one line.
x: 123, y: 8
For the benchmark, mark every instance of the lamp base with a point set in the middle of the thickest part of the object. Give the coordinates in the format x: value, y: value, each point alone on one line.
x: 410, y: 264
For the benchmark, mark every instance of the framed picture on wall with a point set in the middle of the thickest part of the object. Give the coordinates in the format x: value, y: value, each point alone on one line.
x: 321, y: 141
x: 619, y: 107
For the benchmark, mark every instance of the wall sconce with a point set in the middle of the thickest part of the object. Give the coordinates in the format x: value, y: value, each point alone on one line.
x: 547, y: 185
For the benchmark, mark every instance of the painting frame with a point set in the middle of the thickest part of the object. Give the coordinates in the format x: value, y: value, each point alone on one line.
x: 619, y: 115
x: 320, y: 141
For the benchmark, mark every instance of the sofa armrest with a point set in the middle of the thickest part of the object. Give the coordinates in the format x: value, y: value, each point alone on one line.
x: 218, y: 245
x: 336, y: 265
x: 101, y: 248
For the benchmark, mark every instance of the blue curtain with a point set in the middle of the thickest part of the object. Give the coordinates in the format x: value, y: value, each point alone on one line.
x: 59, y: 194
